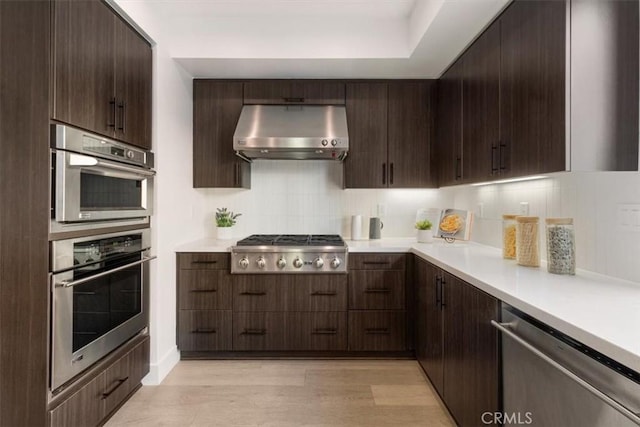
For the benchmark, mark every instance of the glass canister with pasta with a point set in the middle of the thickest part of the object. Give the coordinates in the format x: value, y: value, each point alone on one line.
x: 527, y: 241
x: 509, y: 236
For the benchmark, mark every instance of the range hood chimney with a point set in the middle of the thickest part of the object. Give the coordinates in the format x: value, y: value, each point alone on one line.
x: 298, y: 132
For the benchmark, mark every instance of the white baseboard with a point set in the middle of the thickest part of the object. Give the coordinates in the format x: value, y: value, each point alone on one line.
x: 158, y: 371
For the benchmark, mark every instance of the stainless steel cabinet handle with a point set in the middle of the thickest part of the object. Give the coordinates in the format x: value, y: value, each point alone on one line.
x: 505, y: 329
x: 70, y: 283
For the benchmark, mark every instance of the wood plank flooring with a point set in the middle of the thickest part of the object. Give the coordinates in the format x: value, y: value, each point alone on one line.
x: 287, y: 393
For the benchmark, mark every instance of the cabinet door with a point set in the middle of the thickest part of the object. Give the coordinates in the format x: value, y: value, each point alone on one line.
x: 453, y: 346
x: 532, y: 84
x: 259, y: 331
x: 133, y: 87
x: 84, y: 93
x: 204, y: 330
x: 216, y: 109
x: 411, y: 121
x: 377, y: 290
x: 283, y: 92
x: 316, y: 331
x: 449, y: 126
x: 366, y: 165
x: 204, y: 290
x: 319, y: 92
x: 480, y: 375
x: 480, y: 100
x: 377, y: 330
x: 267, y: 92
x: 429, y: 322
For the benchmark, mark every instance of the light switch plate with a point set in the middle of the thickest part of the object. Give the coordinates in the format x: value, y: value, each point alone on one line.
x: 524, y: 208
x: 628, y: 217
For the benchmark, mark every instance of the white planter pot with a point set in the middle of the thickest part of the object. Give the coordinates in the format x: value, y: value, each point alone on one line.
x: 425, y: 236
x: 224, y: 233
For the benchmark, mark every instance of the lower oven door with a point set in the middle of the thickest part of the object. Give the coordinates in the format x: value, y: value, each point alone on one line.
x: 91, y: 189
x: 95, y: 309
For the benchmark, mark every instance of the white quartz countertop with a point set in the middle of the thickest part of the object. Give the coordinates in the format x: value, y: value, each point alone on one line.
x: 600, y: 311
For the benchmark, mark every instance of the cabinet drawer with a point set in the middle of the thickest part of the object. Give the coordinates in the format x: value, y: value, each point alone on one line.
x: 376, y: 290
x: 204, y: 289
x: 203, y: 261
x: 258, y: 331
x: 377, y: 330
x: 204, y: 330
x: 84, y: 408
x: 377, y: 261
x: 260, y: 292
x: 317, y: 293
x: 316, y: 331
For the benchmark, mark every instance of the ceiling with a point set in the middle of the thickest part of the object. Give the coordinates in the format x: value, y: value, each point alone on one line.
x: 313, y: 38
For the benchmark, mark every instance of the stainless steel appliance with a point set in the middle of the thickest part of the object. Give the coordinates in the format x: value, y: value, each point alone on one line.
x: 99, y: 298
x: 549, y: 379
x: 95, y: 179
x: 292, y: 132
x: 290, y: 253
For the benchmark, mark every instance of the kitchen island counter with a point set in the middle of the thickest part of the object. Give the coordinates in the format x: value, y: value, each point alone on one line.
x: 600, y: 311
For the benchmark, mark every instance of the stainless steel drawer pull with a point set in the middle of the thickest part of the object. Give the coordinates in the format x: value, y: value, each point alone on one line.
x: 254, y: 332
x: 377, y: 331
x: 325, y: 331
x: 253, y: 293
x: 204, y: 331
x: 114, y: 388
x: 324, y: 293
x: 505, y: 329
x: 203, y: 290
x: 70, y: 283
x: 377, y: 291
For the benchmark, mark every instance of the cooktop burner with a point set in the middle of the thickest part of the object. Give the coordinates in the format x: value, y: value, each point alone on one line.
x: 292, y: 240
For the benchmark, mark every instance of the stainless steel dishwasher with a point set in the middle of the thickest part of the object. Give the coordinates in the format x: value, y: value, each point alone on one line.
x: 549, y: 379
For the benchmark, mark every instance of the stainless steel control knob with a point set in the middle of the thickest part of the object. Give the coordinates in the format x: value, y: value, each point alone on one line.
x: 130, y: 154
x: 324, y: 142
x: 260, y: 262
x: 318, y: 262
x: 243, y: 263
x: 335, y: 262
x: 281, y: 263
x: 297, y: 263
x: 334, y: 142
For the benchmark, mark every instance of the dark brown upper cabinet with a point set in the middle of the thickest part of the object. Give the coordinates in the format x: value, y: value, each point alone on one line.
x: 285, y: 92
x: 102, y: 72
x: 481, y: 107
x: 390, y: 128
x: 216, y: 109
x: 410, y: 130
x: 366, y: 164
x: 532, y: 88
x: 448, y: 146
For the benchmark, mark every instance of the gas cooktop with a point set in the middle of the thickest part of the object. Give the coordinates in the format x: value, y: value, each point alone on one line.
x: 289, y: 253
x: 292, y: 240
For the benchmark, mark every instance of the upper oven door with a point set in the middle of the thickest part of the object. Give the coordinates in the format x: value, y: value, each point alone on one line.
x: 88, y: 188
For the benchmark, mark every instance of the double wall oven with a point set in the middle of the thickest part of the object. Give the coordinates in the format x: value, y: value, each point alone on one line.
x: 101, y: 201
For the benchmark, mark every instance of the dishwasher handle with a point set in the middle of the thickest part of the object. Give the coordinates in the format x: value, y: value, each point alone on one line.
x: 505, y: 329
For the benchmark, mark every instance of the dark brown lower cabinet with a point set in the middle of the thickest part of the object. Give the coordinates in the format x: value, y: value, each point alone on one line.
x: 204, y: 330
x: 456, y: 345
x: 100, y: 397
x: 377, y: 330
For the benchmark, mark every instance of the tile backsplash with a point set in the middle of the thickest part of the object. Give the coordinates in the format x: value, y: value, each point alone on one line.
x: 590, y: 198
x: 307, y: 197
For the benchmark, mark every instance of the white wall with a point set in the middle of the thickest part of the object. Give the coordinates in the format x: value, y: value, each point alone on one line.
x: 591, y: 198
x: 305, y: 197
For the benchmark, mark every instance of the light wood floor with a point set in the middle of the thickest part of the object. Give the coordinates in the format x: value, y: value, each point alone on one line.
x: 287, y: 393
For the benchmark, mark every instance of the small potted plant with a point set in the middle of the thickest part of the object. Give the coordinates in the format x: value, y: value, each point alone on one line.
x: 425, y: 235
x: 225, y: 220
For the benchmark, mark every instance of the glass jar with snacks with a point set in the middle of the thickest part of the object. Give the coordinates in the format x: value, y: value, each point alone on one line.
x: 527, y: 241
x: 509, y: 236
x: 561, y: 246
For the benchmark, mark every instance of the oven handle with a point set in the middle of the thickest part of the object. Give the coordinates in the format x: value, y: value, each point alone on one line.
x: 70, y: 283
x: 93, y: 163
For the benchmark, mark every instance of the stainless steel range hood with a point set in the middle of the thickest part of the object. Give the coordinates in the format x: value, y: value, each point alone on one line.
x: 292, y: 132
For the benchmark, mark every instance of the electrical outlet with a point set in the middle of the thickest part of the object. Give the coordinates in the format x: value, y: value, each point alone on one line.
x: 524, y: 208
x: 629, y: 218
x: 382, y: 209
